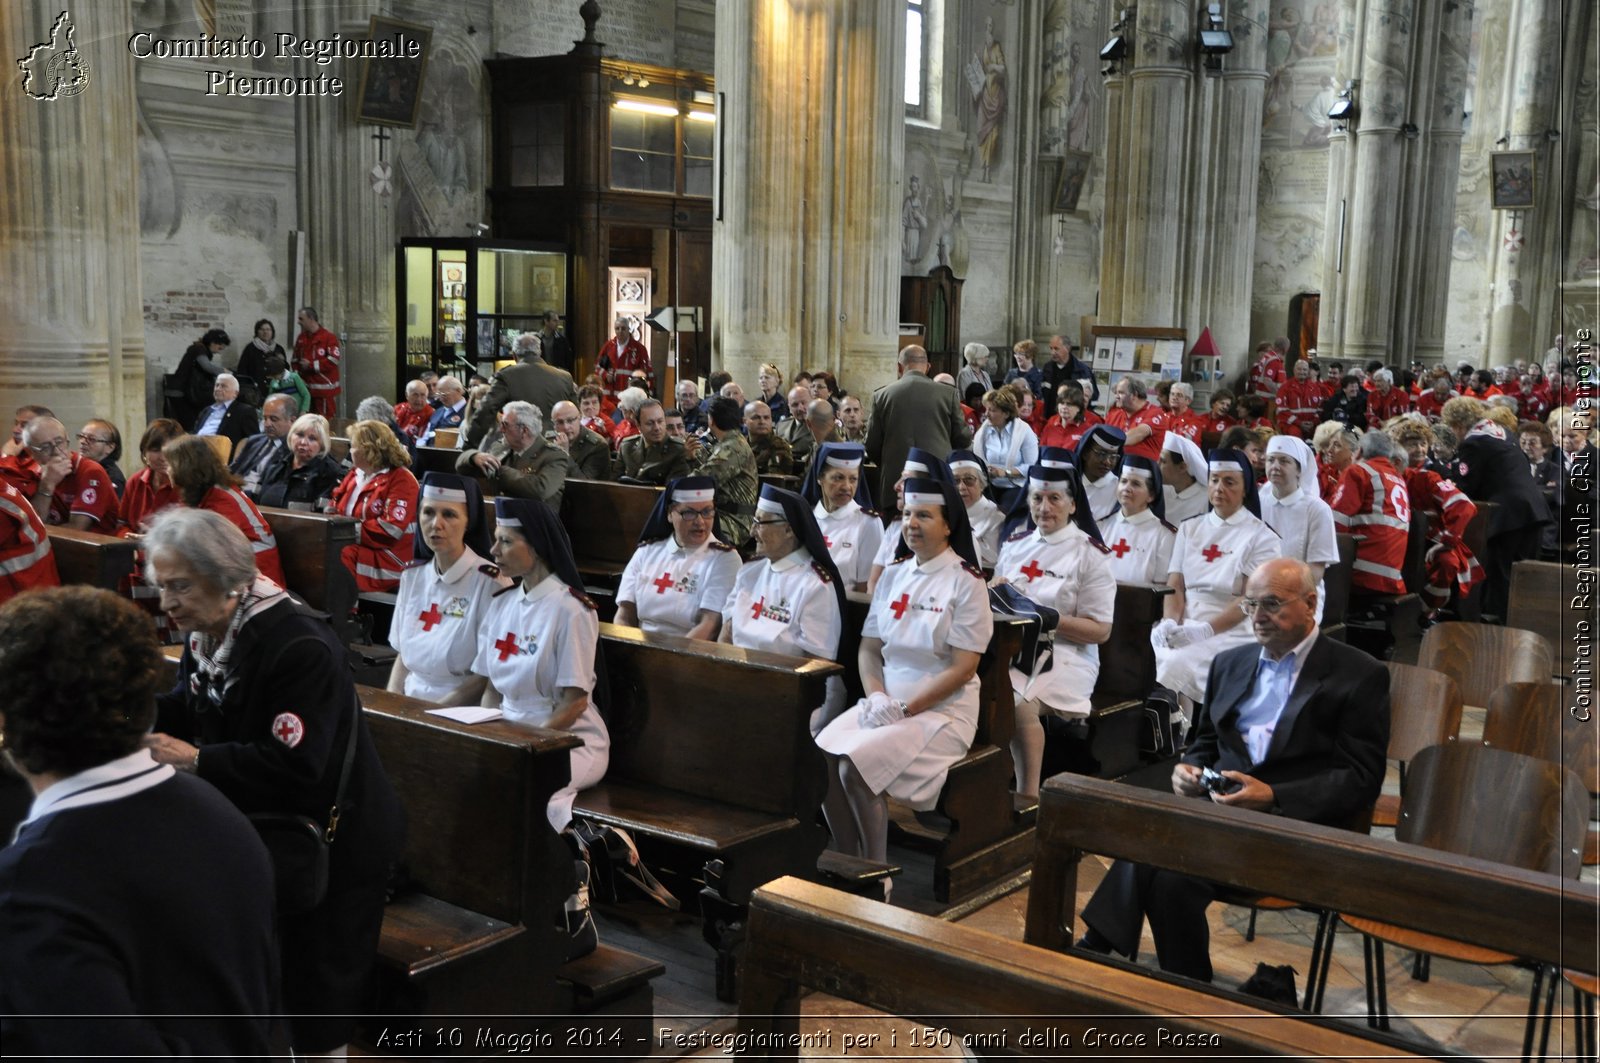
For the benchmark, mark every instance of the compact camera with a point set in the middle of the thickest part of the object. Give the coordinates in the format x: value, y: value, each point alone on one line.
x: 1218, y: 783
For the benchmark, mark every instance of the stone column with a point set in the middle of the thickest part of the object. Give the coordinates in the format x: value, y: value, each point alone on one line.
x: 1526, y: 266
x: 349, y: 228
x: 71, y: 326
x: 805, y: 263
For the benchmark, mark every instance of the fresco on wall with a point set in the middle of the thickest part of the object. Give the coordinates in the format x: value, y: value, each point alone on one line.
x: 442, y: 166
x: 1072, y: 98
x: 931, y: 226
x: 1301, y: 47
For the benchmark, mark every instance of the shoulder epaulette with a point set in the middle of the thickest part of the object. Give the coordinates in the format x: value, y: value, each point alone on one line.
x: 513, y: 585
x: 871, y: 512
x: 1100, y: 546
x: 902, y: 560
x: 490, y: 569
x: 1020, y: 534
x: 582, y: 597
x: 974, y: 570
x: 822, y: 573
x: 718, y: 544
x: 417, y: 562
x: 1173, y: 528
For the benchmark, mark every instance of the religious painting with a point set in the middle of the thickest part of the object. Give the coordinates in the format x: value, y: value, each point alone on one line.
x: 391, y: 89
x: 1074, y: 175
x: 985, y: 74
x: 1512, y: 180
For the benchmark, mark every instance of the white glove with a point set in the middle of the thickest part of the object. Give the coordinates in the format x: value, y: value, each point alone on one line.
x: 1161, y: 634
x: 885, y: 713
x: 872, y: 706
x: 1188, y: 632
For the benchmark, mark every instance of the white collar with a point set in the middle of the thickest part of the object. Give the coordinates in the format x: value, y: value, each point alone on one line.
x: 794, y: 559
x: 983, y: 505
x: 936, y: 564
x: 1060, y: 535
x: 1144, y: 516
x: 546, y: 587
x: 1111, y: 476
x: 1238, y: 517
x: 1292, y: 498
x: 467, y: 562
x: 101, y: 784
x: 849, y: 509
x: 1187, y: 492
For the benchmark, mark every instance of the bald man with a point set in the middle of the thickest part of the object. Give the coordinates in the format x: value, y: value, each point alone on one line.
x: 590, y: 454
x: 1297, y: 725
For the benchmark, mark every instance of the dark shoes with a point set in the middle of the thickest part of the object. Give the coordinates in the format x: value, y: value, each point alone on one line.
x: 1093, y: 941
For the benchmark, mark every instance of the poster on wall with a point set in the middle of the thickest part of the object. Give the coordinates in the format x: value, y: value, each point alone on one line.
x: 1102, y: 353
x: 1122, y: 354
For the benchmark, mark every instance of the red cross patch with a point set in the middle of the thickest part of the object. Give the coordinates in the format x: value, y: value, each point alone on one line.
x: 1121, y: 549
x: 288, y: 729
x: 88, y: 496
x: 397, y: 510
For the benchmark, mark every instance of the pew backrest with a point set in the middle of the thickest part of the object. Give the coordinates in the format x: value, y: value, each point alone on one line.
x: 309, y: 545
x: 90, y: 558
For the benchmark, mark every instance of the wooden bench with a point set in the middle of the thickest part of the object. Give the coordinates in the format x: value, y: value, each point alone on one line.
x: 479, y: 931
x: 713, y: 768
x: 970, y: 989
x: 90, y: 558
x: 1537, y: 916
x: 604, y: 521
x: 1553, y: 600
x: 977, y: 831
x: 309, y: 545
x: 1336, y: 589
x: 433, y: 459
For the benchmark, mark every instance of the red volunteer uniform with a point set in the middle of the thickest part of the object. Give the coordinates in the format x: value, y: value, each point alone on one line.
x: 1373, y: 506
x: 25, y: 558
x: 1300, y: 408
x: 316, y: 359
x: 1269, y: 370
x: 1381, y: 407
x: 231, y: 505
x: 386, y: 506
x: 85, y: 492
x: 1452, y: 511
x: 1151, y: 415
x: 614, y: 368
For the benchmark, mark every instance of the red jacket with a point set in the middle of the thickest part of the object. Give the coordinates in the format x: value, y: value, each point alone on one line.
x: 1381, y: 407
x: 412, y: 422
x: 386, y: 506
x: 1373, y: 505
x: 1300, y: 407
x: 1268, y: 370
x: 85, y: 492
x: 1430, y: 405
x: 25, y: 559
x: 614, y: 369
x: 316, y: 359
x: 1058, y: 434
x: 231, y: 505
x: 1150, y: 414
x: 1452, y: 511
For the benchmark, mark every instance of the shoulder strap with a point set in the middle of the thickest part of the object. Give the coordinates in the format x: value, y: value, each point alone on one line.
x: 332, y: 828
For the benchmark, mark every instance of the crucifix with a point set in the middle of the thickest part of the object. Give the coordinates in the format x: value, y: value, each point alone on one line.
x: 382, y: 137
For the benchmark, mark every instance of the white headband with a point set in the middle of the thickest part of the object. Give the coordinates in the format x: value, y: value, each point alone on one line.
x: 1138, y: 470
x: 1052, y: 464
x: 508, y: 522
x: 837, y: 462
x: 699, y: 494
x: 1226, y: 466
x: 918, y: 498
x: 914, y: 466
x: 445, y: 494
x: 963, y: 463
x: 769, y: 505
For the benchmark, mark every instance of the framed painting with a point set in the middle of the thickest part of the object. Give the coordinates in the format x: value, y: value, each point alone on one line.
x: 1074, y: 175
x: 1511, y: 180
x: 391, y: 88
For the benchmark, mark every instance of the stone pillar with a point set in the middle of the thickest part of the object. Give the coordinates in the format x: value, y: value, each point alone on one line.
x: 1114, y: 234
x: 71, y: 319
x: 805, y: 263
x: 1391, y: 181
x: 1525, y: 269
x: 349, y: 228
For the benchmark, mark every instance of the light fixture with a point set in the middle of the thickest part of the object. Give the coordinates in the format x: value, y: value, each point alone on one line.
x: 646, y: 107
x: 697, y: 115
x: 1345, y: 111
x: 1116, y: 49
x: 1410, y: 131
x: 1215, y: 42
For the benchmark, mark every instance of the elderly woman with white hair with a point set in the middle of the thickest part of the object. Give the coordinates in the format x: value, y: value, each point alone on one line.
x: 516, y: 460
x: 266, y: 711
x: 629, y: 402
x: 1293, y: 507
x: 304, y: 474
x: 971, y: 477
x: 974, y: 369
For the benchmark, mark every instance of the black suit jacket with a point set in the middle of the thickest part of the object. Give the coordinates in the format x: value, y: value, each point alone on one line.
x: 1327, y: 758
x: 1496, y: 470
x: 241, y: 421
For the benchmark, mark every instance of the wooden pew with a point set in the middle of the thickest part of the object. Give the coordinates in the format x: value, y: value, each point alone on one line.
x: 604, y: 521
x: 713, y: 767
x: 1537, y: 916
x: 995, y: 996
x: 1553, y: 600
x: 433, y: 459
x: 977, y: 831
x: 309, y: 545
x: 1336, y: 589
x: 1106, y: 743
x: 91, y: 558
x: 479, y: 930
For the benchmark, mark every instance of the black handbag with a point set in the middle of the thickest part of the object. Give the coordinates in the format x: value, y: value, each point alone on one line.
x: 1161, y: 729
x: 299, y: 845
x: 1039, y: 640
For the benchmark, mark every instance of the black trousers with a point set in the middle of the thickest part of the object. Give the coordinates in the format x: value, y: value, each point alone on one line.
x: 1174, y: 903
x: 1505, y: 550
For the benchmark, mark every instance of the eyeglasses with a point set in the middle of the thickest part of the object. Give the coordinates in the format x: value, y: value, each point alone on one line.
x: 48, y: 448
x: 693, y: 515
x: 1270, y: 606
x: 764, y: 523
x: 84, y: 438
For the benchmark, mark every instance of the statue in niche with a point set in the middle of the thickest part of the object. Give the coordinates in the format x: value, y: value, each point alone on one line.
x: 952, y: 245
x: 913, y: 220
x: 986, y: 77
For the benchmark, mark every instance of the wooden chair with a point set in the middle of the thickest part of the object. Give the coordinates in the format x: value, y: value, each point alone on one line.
x: 1482, y: 657
x: 222, y: 445
x: 1532, y: 718
x: 1551, y: 599
x: 1486, y: 803
x: 1585, y: 987
x: 1425, y: 710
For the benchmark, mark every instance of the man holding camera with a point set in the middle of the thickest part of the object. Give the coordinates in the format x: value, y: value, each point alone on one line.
x: 1298, y: 727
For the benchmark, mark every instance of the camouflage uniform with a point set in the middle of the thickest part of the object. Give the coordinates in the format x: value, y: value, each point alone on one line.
x: 773, y: 454
x: 732, y: 464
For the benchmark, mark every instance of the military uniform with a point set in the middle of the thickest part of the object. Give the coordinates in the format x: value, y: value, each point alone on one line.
x: 539, y: 472
x: 732, y: 464
x: 774, y: 455
x: 795, y: 433
x: 591, y: 456
x: 652, y: 462
x: 530, y: 381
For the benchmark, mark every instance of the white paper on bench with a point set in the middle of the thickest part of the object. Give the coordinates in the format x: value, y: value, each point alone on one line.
x: 467, y: 714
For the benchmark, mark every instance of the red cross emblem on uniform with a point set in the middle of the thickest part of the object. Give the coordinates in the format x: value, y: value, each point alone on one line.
x: 756, y: 608
x: 827, y: 542
x: 1211, y: 553
x: 1121, y: 549
x: 664, y: 582
x: 900, y: 606
x: 1032, y: 570
x: 431, y: 617
x: 288, y: 729
x: 507, y: 646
